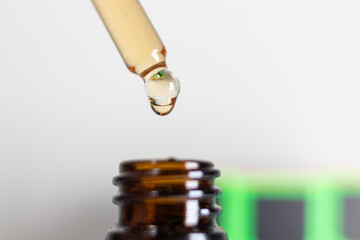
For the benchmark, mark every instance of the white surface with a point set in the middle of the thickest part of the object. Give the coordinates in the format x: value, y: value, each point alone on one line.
x: 264, y: 83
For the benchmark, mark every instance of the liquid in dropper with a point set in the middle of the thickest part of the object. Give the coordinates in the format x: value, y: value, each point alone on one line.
x: 162, y: 89
x: 142, y: 50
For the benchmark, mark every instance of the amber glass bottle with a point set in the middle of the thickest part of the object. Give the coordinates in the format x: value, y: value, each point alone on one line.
x: 167, y: 200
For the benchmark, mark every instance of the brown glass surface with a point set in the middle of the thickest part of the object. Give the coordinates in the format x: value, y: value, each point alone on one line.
x: 169, y: 199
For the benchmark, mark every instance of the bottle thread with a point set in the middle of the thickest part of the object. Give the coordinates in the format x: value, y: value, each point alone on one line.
x: 158, y: 199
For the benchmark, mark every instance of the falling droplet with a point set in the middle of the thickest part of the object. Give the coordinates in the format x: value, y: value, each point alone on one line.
x: 162, y: 89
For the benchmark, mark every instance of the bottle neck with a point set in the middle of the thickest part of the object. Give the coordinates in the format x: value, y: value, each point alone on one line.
x: 167, y: 196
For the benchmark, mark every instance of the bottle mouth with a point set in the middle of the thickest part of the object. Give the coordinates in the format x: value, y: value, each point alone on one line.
x: 164, y: 165
x: 162, y: 180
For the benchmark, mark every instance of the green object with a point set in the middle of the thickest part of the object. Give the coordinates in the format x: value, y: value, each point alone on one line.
x: 322, y: 197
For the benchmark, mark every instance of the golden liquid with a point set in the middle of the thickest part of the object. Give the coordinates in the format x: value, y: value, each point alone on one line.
x: 132, y: 32
x: 141, y: 49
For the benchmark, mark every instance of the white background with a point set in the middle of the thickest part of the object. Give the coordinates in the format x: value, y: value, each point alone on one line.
x: 264, y: 84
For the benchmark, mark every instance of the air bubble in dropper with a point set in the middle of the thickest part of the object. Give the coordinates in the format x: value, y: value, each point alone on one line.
x: 162, y: 89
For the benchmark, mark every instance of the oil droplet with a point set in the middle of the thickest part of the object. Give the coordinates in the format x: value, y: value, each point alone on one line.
x: 162, y: 89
